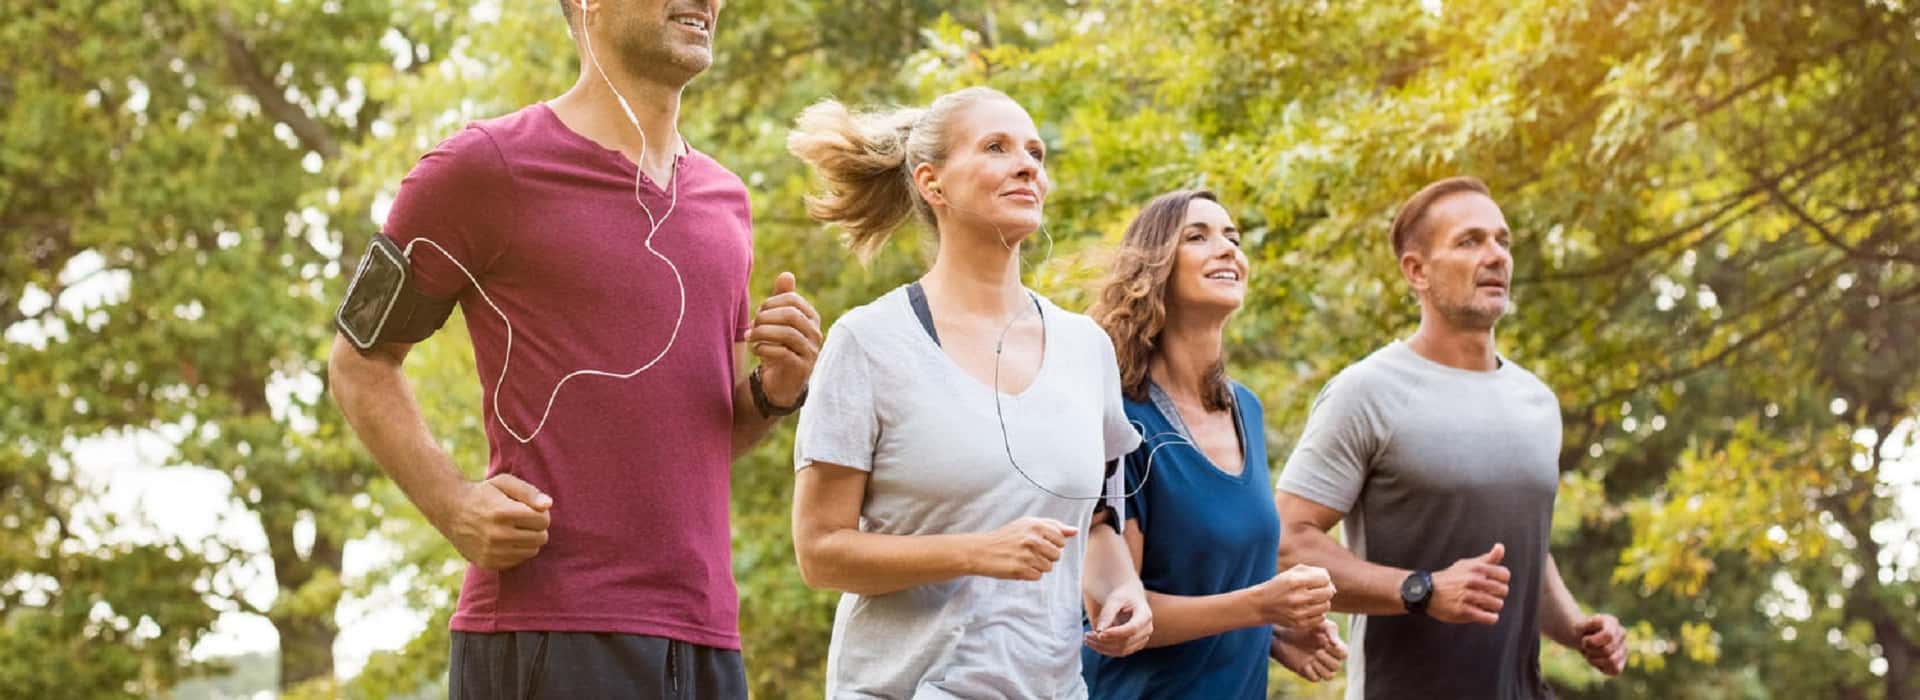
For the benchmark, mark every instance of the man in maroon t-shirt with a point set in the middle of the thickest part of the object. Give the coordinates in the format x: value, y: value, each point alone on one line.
x: 601, y: 265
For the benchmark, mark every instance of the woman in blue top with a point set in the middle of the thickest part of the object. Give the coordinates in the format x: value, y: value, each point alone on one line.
x: 1199, y: 518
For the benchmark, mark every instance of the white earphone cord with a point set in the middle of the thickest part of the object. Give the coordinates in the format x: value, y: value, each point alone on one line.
x: 506, y: 358
x: 1006, y: 439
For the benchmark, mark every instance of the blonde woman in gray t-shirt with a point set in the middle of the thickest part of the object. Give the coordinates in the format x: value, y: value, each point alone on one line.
x: 954, y: 445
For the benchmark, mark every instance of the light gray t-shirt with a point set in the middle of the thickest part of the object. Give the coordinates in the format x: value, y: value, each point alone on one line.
x: 1432, y: 464
x: 887, y: 400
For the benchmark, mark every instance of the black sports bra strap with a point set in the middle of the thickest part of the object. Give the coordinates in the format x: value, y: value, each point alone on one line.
x: 917, y: 296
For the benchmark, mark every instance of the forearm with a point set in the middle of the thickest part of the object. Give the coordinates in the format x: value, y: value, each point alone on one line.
x: 1178, y: 618
x: 749, y: 427
x: 1559, y: 613
x: 1109, y: 566
x: 1360, y: 586
x: 870, y: 564
x: 372, y: 393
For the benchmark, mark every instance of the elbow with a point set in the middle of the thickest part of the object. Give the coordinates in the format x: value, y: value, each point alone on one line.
x: 348, y: 371
x: 340, y: 372
x: 1293, y: 545
x: 813, y: 571
x: 811, y: 575
x: 1289, y: 558
x: 821, y: 575
x: 822, y: 578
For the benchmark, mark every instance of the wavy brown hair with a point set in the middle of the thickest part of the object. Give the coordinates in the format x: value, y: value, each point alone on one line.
x: 1132, y: 306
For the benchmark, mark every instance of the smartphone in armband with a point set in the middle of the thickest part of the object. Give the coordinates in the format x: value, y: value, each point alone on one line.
x: 382, y: 306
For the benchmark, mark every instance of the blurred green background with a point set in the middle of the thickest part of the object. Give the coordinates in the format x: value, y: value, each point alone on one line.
x: 1718, y: 269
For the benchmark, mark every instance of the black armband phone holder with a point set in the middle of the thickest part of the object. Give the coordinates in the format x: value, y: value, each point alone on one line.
x: 382, y: 305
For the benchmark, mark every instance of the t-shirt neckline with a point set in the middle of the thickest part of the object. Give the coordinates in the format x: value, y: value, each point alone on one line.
x: 620, y: 160
x: 905, y: 306
x: 1501, y: 363
x: 1163, y: 404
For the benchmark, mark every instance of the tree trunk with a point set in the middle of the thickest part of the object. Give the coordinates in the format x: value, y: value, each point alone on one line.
x: 1866, y: 602
x: 306, y: 648
x: 307, y: 630
x: 1903, y: 679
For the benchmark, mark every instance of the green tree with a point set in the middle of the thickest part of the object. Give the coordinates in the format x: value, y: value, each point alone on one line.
x: 1719, y: 273
x: 1717, y: 228
x: 175, y: 155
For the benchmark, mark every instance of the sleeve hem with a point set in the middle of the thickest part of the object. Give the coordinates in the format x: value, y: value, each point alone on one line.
x: 1319, y: 497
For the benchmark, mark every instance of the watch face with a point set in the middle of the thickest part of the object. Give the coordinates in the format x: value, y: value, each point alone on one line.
x: 1415, y: 588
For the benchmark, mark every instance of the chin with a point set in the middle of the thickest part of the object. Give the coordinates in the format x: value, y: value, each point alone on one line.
x: 694, y: 60
x: 1477, y: 316
x: 1225, y: 300
x: 1188, y: 302
x: 1489, y: 317
x: 679, y: 52
x: 1017, y: 228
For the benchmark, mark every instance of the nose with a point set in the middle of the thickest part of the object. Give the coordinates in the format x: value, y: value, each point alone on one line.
x: 1026, y: 167
x: 1497, y: 257
x: 1224, y: 248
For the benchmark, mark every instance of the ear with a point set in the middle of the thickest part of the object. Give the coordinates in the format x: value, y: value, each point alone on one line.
x: 928, y: 183
x: 1413, y: 266
x: 582, y: 11
x: 589, y: 10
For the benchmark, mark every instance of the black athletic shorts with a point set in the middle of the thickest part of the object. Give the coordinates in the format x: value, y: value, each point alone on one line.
x: 517, y: 665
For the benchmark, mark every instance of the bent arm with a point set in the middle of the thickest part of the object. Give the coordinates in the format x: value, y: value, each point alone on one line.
x: 1179, y: 618
x: 1360, y: 586
x: 835, y: 554
x: 749, y: 427
x: 1560, y: 614
x: 1110, y: 564
x: 378, y: 403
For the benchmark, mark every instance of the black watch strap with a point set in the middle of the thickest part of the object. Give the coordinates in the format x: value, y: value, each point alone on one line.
x: 765, y: 405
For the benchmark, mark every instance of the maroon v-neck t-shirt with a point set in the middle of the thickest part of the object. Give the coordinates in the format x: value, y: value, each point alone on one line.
x: 638, y: 468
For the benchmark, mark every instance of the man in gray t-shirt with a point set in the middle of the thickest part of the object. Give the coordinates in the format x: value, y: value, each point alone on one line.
x: 1442, y: 458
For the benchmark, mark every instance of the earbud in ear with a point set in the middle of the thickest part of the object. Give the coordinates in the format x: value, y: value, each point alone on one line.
x: 934, y: 187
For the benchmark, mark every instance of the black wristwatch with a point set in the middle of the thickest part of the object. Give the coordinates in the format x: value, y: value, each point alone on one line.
x: 765, y: 405
x: 1415, y: 591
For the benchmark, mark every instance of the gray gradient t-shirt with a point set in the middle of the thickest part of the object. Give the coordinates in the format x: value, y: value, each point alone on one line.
x: 1432, y: 464
x: 887, y: 400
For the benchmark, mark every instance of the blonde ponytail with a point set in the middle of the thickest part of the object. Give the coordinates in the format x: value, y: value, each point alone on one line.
x: 862, y: 160
x: 866, y: 162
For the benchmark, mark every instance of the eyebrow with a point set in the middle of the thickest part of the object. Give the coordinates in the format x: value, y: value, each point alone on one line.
x: 991, y: 135
x: 1205, y: 225
x: 1477, y: 229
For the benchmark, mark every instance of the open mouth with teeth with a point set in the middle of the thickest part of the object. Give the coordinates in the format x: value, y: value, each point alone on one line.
x: 1227, y: 275
x: 694, y: 22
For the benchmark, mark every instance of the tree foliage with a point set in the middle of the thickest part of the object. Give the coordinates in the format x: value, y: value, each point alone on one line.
x: 1718, y: 271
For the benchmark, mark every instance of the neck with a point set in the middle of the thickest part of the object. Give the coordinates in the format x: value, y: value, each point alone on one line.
x: 590, y: 108
x: 1190, y: 346
x: 1451, y: 345
x: 974, y: 273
